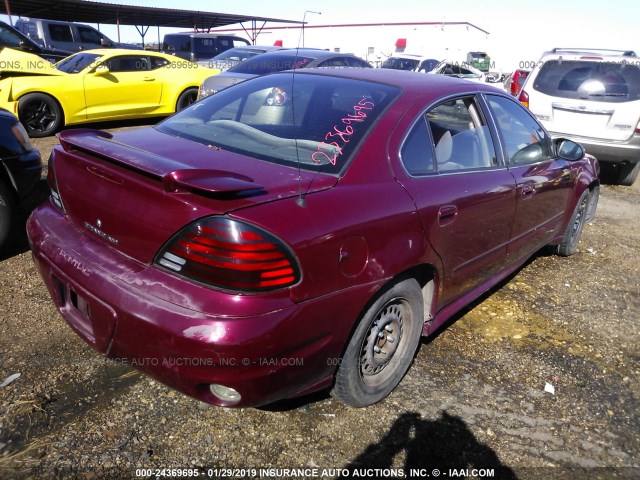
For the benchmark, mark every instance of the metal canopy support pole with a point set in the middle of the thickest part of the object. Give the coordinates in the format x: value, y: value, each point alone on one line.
x: 6, y: 4
x: 142, y: 30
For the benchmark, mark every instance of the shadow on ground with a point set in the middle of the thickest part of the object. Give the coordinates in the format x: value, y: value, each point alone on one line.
x: 444, y: 444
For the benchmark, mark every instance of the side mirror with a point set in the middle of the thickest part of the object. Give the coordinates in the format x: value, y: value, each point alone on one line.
x: 105, y: 43
x: 568, y: 149
x: 101, y: 69
x: 530, y: 154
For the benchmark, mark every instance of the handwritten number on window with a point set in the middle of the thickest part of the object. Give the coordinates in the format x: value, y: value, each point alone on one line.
x: 334, y: 149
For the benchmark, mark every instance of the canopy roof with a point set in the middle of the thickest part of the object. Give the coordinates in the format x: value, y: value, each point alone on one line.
x: 97, y: 12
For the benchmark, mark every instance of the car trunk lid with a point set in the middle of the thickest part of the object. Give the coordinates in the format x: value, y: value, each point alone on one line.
x: 136, y: 189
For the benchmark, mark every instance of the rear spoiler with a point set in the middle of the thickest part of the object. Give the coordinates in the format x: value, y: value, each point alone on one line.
x: 176, y: 176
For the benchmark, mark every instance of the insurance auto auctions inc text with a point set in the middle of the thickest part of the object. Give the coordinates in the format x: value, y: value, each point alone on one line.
x: 277, y: 473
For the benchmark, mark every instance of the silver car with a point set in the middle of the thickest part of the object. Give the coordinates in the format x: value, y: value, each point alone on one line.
x: 270, y: 62
x: 235, y: 55
x: 593, y: 97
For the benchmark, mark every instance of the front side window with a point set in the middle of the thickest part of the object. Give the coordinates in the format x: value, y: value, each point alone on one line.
x: 310, y: 122
x: 589, y: 80
x: 9, y: 38
x: 461, y: 136
x: 128, y: 63
x: 89, y: 35
x: 525, y: 140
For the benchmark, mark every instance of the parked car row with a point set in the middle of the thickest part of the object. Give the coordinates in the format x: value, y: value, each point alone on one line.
x: 592, y: 96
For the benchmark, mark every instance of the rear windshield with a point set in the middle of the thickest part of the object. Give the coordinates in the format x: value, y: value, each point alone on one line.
x: 400, y: 63
x: 239, y: 53
x: 589, y: 80
x: 307, y: 121
x: 259, y: 65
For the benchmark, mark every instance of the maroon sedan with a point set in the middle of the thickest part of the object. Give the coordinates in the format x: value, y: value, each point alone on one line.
x: 301, y: 231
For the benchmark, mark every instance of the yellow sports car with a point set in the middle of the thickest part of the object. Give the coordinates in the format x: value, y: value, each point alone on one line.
x: 97, y: 85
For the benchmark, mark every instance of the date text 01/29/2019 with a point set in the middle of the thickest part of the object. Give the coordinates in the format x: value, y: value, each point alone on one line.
x: 311, y: 472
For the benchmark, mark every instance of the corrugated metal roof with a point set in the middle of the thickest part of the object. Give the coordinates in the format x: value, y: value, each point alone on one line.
x: 109, y: 13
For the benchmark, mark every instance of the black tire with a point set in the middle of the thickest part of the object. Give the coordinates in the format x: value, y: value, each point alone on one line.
x: 382, y: 346
x: 628, y: 174
x: 186, y: 98
x: 571, y: 236
x: 40, y: 114
x: 7, y: 210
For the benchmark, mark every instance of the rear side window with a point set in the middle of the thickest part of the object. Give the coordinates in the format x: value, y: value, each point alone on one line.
x: 314, y: 123
x: 417, y: 150
x: 60, y: 33
x: 589, y: 80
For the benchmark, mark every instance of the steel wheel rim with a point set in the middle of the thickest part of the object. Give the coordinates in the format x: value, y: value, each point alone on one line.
x: 577, y: 224
x: 383, y: 341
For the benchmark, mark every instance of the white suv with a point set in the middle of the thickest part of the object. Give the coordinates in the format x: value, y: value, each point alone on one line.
x: 593, y: 97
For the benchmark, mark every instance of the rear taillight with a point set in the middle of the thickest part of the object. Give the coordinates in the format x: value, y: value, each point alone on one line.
x: 524, y: 98
x: 53, y: 185
x: 638, y: 128
x: 230, y: 254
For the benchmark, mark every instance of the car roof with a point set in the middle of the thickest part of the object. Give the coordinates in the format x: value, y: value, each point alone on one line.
x: 599, y: 52
x: 132, y: 51
x: 414, y: 83
x: 201, y: 34
x: 317, y: 53
x: 409, y: 56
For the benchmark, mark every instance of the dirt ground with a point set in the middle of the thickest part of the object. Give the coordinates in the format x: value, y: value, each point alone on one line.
x: 475, y: 404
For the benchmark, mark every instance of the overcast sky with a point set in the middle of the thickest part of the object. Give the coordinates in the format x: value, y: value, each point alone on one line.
x: 518, y: 30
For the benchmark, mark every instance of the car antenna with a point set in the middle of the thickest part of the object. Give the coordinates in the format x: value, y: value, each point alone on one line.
x: 301, y: 201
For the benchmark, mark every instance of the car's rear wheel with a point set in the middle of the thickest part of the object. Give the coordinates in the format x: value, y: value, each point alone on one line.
x: 186, y: 98
x: 382, y: 346
x: 40, y: 114
x: 628, y: 174
x: 6, y: 212
x: 571, y: 235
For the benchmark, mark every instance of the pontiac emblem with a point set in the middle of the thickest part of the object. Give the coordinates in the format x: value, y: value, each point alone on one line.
x: 98, y: 231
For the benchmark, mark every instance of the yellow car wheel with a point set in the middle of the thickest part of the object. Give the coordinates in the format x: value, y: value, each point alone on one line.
x: 186, y: 98
x: 40, y: 114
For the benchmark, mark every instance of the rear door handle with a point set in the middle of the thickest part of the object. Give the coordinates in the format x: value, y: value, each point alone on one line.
x: 528, y: 191
x: 447, y: 214
x: 149, y: 79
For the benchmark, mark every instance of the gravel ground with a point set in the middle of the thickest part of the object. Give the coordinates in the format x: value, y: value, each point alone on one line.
x: 474, y: 399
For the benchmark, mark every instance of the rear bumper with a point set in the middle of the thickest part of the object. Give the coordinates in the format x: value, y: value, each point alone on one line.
x: 272, y: 349
x: 608, y: 151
